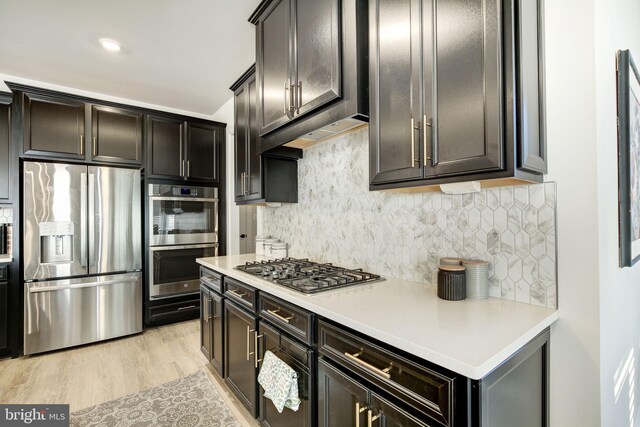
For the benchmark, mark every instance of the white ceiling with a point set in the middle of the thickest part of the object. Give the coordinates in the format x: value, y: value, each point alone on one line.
x: 181, y: 54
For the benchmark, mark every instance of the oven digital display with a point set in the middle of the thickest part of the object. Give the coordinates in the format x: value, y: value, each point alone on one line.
x: 185, y: 191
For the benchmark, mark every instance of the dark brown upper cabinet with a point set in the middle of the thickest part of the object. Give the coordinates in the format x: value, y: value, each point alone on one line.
x: 311, y: 69
x: 455, y: 92
x: 180, y: 149
x: 116, y: 135
x: 53, y: 126
x: 5, y: 144
x: 259, y: 178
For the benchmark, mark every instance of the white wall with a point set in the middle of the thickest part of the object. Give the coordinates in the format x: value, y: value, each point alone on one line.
x: 571, y: 142
x: 616, y: 27
x: 226, y: 115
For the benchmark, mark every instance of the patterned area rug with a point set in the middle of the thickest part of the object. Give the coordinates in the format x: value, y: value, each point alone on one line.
x: 191, y: 401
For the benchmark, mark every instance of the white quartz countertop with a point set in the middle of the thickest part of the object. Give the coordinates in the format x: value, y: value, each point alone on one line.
x: 5, y: 259
x: 470, y: 337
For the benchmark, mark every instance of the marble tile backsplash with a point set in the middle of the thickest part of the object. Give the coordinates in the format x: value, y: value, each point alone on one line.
x: 400, y: 235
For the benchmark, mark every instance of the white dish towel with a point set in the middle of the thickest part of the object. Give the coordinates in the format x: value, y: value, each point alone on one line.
x: 280, y: 382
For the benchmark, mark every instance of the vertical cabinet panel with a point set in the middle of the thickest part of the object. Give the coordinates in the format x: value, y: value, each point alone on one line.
x: 241, y: 128
x: 5, y: 143
x: 239, y: 354
x: 467, y: 135
x: 254, y: 161
x: 165, y: 145
x: 206, y: 335
x: 395, y: 81
x: 4, y: 314
x: 116, y: 135
x: 217, y: 340
x: 317, y: 52
x: 53, y: 125
x: 202, y: 155
x: 276, y: 96
x: 337, y: 398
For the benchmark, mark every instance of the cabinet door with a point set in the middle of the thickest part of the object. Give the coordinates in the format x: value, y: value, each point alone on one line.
x: 5, y: 136
x: 202, y: 152
x: 239, y: 353
x: 387, y: 414
x: 53, y: 126
x: 466, y: 107
x: 4, y: 314
x: 165, y: 146
x: 317, y: 53
x: 241, y: 130
x: 275, y: 98
x: 395, y: 90
x: 116, y: 135
x: 339, y: 397
x: 218, y: 333
x: 205, y: 323
x: 254, y: 160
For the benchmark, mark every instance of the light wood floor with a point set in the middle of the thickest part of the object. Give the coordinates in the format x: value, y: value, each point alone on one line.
x: 92, y: 374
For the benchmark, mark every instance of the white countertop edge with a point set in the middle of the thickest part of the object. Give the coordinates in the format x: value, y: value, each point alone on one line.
x: 448, y: 362
x: 4, y: 260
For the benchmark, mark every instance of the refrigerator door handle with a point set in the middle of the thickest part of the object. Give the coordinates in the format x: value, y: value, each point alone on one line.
x: 83, y: 220
x: 81, y: 285
x: 92, y: 225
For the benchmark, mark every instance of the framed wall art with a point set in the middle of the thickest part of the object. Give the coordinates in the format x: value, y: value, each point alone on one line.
x: 628, y: 158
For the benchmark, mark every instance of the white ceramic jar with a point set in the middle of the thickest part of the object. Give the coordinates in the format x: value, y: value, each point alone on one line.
x: 260, y: 244
x: 278, y: 250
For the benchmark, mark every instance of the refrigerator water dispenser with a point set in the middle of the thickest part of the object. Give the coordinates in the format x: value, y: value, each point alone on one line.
x: 56, y: 242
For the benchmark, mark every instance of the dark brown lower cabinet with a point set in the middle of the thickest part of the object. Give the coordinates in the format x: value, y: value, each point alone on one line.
x: 206, y: 333
x: 241, y: 373
x: 211, y: 331
x: 343, y: 401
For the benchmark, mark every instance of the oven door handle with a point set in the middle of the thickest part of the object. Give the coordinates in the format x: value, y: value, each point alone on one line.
x: 168, y: 248
x: 183, y: 199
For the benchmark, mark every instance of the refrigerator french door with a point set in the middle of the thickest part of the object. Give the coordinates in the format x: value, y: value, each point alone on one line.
x: 82, y: 254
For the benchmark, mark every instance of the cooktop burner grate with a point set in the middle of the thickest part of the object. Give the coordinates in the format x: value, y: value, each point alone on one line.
x: 307, y: 276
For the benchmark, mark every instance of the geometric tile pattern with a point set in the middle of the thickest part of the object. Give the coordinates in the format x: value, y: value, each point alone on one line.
x: 337, y: 219
x: 6, y: 215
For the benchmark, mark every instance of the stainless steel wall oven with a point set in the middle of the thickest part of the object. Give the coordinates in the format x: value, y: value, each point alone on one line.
x: 183, y: 226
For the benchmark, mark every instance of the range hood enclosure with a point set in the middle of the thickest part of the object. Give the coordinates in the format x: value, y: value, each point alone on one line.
x: 338, y: 114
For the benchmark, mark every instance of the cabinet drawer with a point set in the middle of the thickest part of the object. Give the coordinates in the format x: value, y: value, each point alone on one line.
x: 240, y: 292
x: 4, y: 272
x: 294, y: 320
x: 175, y: 311
x: 211, y: 279
x: 428, y: 391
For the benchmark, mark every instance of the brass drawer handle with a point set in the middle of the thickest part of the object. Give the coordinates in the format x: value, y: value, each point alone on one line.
x: 382, y: 372
x: 359, y: 410
x: 284, y: 319
x: 238, y: 294
x: 371, y: 418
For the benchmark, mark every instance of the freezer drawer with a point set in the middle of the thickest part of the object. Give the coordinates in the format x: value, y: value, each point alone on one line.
x: 65, y: 313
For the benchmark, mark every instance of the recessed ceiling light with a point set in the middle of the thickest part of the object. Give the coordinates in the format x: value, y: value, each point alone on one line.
x: 110, y: 44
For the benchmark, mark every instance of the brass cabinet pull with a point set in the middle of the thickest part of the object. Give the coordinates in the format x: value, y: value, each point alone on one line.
x: 359, y: 410
x: 284, y: 102
x: 249, y: 330
x: 209, y: 301
x: 371, y: 418
x: 291, y: 106
x: 284, y: 319
x: 188, y: 168
x: 299, y: 97
x: 427, y: 124
x: 181, y: 168
x: 382, y: 372
x: 94, y: 149
x: 81, y: 144
x: 413, y: 141
x: 205, y: 309
x: 238, y: 294
x: 255, y: 348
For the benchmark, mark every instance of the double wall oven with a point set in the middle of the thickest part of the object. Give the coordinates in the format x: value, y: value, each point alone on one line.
x: 183, y: 226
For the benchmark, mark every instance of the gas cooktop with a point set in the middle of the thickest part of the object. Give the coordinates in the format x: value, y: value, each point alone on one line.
x: 307, y: 276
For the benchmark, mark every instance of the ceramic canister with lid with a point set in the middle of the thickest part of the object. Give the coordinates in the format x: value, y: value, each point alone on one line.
x: 260, y: 244
x: 278, y: 250
x: 451, y: 282
x: 477, y: 278
x: 451, y: 261
x: 267, y: 246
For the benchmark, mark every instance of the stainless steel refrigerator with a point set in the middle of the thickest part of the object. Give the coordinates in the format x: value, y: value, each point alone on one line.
x: 82, y: 254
